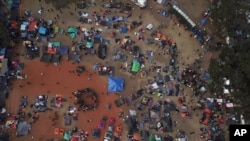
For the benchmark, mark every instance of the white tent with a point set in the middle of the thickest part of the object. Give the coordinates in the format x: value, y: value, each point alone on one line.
x: 132, y: 112
x: 225, y: 91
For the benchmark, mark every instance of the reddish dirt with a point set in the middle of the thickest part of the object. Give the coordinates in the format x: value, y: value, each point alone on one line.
x: 59, y: 80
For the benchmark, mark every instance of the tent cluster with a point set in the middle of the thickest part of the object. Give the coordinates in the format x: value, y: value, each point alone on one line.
x: 38, y: 28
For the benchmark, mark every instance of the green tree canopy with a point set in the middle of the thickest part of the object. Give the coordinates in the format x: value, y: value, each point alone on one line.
x: 234, y: 64
x: 4, y: 34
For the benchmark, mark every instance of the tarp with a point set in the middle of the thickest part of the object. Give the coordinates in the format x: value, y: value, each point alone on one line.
x: 136, y: 66
x: 115, y: 84
x: 42, y: 30
x: 123, y: 29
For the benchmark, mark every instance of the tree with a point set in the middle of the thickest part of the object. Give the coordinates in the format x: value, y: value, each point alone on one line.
x: 233, y: 64
x: 4, y: 34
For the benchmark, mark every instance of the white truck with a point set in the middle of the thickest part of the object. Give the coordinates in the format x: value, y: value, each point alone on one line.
x: 140, y: 3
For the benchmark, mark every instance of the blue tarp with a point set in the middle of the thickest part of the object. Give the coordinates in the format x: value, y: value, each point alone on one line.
x: 115, y: 84
x: 42, y: 30
x: 123, y: 29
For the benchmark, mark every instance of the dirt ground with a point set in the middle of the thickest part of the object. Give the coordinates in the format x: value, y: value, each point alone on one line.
x: 58, y: 79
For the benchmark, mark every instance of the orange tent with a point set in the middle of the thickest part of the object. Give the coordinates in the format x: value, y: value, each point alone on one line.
x: 13, y: 24
x: 136, y: 137
x: 61, y: 132
x: 51, y: 50
x: 56, y: 131
x: 119, y: 128
x: 158, y: 35
x: 32, y: 26
x: 207, y: 111
x: 164, y: 37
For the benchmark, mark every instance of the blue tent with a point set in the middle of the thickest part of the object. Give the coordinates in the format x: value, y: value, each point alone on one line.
x: 123, y: 29
x: 97, y: 38
x: 42, y: 30
x: 207, y: 76
x: 115, y: 84
x: 203, y: 21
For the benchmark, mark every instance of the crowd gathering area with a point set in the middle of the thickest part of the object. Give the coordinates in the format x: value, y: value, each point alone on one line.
x: 99, y: 109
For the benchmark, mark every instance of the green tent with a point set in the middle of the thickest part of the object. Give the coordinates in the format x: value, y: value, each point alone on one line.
x: 56, y: 29
x: 151, y: 138
x: 72, y: 35
x: 56, y: 44
x: 67, y: 136
x: 72, y: 30
x: 136, y: 66
x: 89, y: 44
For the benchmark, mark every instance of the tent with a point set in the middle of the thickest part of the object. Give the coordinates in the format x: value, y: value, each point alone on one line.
x: 131, y: 123
x: 72, y: 30
x: 56, y: 29
x: 56, y: 44
x: 97, y: 38
x: 3, y: 67
x: 4, y: 89
x: 75, y: 138
x: 62, y: 50
x: 89, y: 44
x: 115, y: 84
x: 46, y: 58
x: 151, y: 138
x: 203, y: 21
x: 67, y: 136
x: 23, y: 128
x: 123, y: 29
x: 33, y: 51
x: 42, y: 30
x: 136, y: 66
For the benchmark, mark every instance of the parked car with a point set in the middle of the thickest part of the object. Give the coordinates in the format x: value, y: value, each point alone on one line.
x: 102, y: 51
